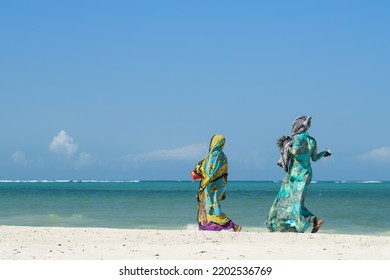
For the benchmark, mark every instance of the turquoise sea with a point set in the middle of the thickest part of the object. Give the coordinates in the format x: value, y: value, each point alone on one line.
x: 347, y: 207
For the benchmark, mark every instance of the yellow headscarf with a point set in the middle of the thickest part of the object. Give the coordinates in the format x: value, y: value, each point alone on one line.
x: 215, y: 164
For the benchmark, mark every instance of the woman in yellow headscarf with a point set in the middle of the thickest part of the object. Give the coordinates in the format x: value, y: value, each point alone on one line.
x: 213, y: 170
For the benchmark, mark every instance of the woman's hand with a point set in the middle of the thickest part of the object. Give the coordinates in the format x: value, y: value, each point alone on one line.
x: 327, y: 154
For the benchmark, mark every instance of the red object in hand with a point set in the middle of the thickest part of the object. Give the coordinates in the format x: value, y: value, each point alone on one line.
x: 195, y: 176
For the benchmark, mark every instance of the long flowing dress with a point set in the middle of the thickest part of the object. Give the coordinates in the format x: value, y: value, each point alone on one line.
x: 214, y: 170
x: 288, y: 212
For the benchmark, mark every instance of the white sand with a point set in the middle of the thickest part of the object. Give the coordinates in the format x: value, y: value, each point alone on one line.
x: 44, y: 243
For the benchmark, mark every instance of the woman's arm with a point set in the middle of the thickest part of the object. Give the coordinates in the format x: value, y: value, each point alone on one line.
x: 198, y: 167
x: 315, y: 155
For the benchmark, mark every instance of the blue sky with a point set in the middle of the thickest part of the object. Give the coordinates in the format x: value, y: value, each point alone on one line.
x: 116, y: 90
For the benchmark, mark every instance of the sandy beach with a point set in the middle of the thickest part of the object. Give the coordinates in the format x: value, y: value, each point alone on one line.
x: 62, y: 243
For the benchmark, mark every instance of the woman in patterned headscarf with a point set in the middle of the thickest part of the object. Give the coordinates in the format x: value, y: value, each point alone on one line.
x: 288, y: 212
x: 213, y: 170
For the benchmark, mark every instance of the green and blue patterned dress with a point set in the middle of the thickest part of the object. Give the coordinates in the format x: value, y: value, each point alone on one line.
x: 288, y: 212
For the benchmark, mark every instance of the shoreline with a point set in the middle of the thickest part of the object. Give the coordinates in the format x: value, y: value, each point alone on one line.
x: 66, y: 243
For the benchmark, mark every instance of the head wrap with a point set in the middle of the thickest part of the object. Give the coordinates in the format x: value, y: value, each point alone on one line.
x: 217, y: 142
x: 300, y: 125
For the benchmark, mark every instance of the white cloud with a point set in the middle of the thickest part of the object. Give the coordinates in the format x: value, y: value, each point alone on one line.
x: 63, y: 144
x: 190, y: 152
x: 19, y: 158
x: 380, y: 154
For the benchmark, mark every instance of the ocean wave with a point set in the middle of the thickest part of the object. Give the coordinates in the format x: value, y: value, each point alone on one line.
x: 20, y: 181
x: 109, y: 181
x: 70, y: 181
x: 191, y: 227
x: 50, y: 219
x: 370, y: 182
x: 36, y: 181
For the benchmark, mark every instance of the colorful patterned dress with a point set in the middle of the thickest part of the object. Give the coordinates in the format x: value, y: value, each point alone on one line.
x: 214, y: 170
x: 288, y: 212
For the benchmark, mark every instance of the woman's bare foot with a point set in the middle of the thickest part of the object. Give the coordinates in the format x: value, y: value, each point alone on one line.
x: 237, y: 228
x: 317, y: 225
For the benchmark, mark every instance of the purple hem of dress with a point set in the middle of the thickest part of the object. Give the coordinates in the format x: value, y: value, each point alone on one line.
x: 215, y: 227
